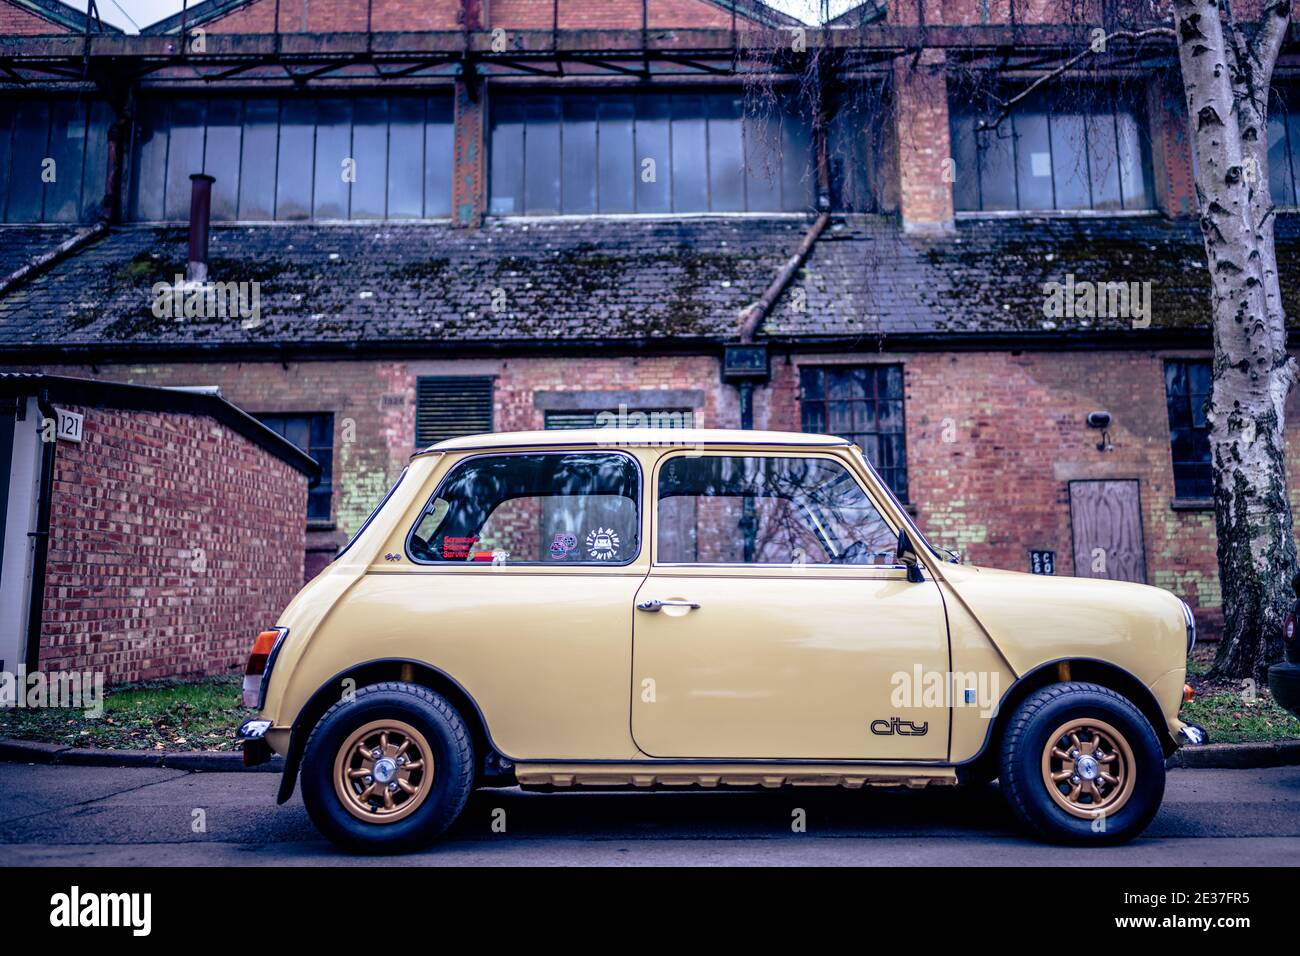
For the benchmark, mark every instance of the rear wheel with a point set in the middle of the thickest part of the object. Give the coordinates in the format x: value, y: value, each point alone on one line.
x: 1081, y: 764
x: 389, y: 770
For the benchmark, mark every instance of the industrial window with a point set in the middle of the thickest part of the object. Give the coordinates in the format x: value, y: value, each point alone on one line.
x: 448, y: 406
x: 1073, y: 150
x: 863, y: 403
x: 1187, y: 391
x: 558, y: 508
x: 314, y: 434
x: 53, y: 158
x: 624, y: 418
x: 646, y: 153
x: 1284, y: 145
x: 295, y: 158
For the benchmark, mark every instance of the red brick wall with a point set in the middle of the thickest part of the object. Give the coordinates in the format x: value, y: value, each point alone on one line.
x: 15, y: 21
x: 469, y: 157
x: 173, y: 541
x: 999, y: 486
x: 966, y: 12
x: 341, y: 16
x: 923, y: 137
x: 997, y: 489
x: 608, y: 14
x: 1171, y: 148
x: 373, y: 404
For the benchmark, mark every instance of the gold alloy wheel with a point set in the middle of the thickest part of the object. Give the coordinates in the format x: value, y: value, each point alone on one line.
x: 383, y: 771
x: 1088, y: 768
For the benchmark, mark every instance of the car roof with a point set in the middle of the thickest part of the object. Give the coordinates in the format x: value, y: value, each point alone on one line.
x: 631, y: 437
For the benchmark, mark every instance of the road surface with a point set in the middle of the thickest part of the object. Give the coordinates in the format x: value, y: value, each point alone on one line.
x: 56, y: 815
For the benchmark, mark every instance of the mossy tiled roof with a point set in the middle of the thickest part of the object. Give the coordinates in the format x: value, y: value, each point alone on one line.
x: 583, y: 282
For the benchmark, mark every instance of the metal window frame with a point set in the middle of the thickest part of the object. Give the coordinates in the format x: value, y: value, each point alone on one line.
x: 877, y: 369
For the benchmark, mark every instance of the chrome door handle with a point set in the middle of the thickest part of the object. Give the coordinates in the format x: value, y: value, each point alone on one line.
x: 654, y: 605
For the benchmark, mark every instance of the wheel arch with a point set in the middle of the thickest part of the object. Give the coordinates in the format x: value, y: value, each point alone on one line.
x: 1065, y: 669
x: 373, y: 672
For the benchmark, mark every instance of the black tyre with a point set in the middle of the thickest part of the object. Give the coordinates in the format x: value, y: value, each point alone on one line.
x: 389, y: 770
x: 1081, y: 764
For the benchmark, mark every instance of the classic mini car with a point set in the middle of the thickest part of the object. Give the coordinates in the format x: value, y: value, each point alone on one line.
x: 654, y: 608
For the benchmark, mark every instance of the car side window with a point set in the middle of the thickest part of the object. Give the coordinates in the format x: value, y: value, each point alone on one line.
x: 553, y: 508
x: 767, y: 510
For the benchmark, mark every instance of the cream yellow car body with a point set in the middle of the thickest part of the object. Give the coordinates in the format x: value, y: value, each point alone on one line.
x: 571, y: 686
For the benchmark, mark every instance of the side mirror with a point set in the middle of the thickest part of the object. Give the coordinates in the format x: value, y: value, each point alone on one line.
x: 906, y: 555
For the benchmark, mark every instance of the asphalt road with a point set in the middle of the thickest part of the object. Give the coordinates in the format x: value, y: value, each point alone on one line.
x: 54, y: 815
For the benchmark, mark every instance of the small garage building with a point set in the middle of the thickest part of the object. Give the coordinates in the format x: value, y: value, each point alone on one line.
x: 147, y: 532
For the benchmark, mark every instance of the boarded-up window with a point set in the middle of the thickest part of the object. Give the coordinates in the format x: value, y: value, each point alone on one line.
x: 448, y: 406
x: 1106, y: 521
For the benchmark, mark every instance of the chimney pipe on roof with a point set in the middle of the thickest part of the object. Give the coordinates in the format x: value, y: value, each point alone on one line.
x: 196, y: 269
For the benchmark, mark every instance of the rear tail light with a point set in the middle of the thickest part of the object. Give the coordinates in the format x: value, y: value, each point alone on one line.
x: 1288, y: 628
x: 256, y: 670
x: 1189, y: 695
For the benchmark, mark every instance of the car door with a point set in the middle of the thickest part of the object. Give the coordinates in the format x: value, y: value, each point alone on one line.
x: 774, y: 623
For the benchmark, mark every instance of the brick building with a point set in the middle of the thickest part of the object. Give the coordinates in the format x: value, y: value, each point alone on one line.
x: 147, y: 531
x: 460, y: 215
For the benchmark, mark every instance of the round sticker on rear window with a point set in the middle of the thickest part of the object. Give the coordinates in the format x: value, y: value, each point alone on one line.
x: 564, y: 545
x: 603, y: 543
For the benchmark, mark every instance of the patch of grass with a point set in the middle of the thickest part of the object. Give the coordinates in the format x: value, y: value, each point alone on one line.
x: 153, y: 715
x: 1231, y: 711
x: 1202, y: 659
x: 1230, y: 716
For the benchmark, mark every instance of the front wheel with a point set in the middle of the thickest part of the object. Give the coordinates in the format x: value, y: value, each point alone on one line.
x: 1081, y: 764
x: 389, y: 770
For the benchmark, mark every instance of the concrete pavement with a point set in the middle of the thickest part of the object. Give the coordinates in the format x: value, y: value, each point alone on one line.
x: 63, y: 815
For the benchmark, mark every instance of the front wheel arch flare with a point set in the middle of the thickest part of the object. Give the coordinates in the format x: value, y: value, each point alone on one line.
x: 1085, y: 669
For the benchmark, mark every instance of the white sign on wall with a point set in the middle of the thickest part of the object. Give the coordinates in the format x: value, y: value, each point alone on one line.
x: 70, y: 425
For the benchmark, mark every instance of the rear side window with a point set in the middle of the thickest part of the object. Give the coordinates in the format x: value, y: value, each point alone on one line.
x: 558, y: 508
x: 761, y: 510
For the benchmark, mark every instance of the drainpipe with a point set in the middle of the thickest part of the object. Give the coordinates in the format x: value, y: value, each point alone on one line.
x: 752, y: 317
x: 746, y: 364
x: 40, y: 556
x: 47, y: 260
x: 119, y: 141
x: 196, y: 268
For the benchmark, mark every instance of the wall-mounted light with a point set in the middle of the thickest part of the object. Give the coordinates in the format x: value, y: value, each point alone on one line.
x: 1101, y: 420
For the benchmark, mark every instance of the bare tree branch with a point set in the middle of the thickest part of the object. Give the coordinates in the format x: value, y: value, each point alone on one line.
x: 1274, y: 24
x: 1133, y: 36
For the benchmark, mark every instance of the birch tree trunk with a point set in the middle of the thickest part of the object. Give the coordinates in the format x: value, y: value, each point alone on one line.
x: 1227, y: 72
